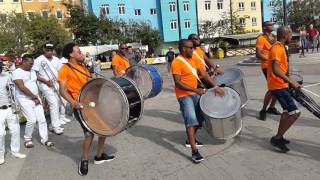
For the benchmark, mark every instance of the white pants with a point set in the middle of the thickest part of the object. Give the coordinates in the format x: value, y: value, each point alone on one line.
x: 57, y: 110
x: 34, y: 113
x: 6, y: 115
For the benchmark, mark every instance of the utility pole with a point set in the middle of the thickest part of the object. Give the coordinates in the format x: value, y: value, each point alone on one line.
x: 285, y: 20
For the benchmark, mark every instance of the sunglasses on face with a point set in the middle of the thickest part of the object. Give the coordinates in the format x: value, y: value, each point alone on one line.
x: 124, y: 48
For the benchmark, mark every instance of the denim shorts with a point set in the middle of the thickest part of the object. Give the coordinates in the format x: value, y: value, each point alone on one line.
x: 190, y: 109
x: 86, y: 132
x: 286, y: 101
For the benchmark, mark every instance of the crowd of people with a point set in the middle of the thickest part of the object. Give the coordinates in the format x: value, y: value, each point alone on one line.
x: 309, y: 39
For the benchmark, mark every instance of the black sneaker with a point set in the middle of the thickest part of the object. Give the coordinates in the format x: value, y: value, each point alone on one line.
x: 285, y: 141
x: 263, y: 115
x: 196, y: 157
x: 273, y: 110
x: 198, y: 144
x: 83, y: 167
x: 104, y: 158
x: 279, y: 143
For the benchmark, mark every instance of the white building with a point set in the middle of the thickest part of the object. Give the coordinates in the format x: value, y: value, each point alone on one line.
x: 212, y: 11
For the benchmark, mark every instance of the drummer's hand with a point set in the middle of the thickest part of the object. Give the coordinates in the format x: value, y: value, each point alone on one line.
x: 218, y: 91
x: 296, y: 85
x: 76, y: 105
x: 200, y: 91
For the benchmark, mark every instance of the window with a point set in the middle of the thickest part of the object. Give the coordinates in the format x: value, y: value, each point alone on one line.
x: 253, y: 5
x: 30, y: 14
x: 254, y: 21
x: 153, y: 11
x: 28, y: 1
x: 273, y: 19
x: 172, y: 6
x: 121, y: 8
x: 271, y: 4
x: 220, y: 4
x: 137, y: 12
x: 44, y: 13
x: 187, y: 23
x: 14, y: 1
x: 242, y: 22
x: 59, y: 14
x: 1, y: 1
x: 104, y: 9
x: 207, y: 5
x: 241, y: 6
x: 186, y: 5
x: 173, y: 24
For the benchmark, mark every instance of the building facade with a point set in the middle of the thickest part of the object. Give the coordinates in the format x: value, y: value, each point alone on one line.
x: 212, y: 11
x: 249, y: 12
x: 10, y: 6
x: 47, y: 7
x: 175, y: 19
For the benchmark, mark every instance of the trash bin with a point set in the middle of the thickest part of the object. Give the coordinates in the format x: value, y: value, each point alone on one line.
x: 220, y: 53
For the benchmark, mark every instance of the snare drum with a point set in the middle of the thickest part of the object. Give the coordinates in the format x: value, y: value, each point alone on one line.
x: 110, y: 105
x: 222, y: 115
x: 147, y: 78
x: 234, y: 78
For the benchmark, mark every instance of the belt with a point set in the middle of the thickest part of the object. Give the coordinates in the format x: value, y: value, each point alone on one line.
x: 5, y: 107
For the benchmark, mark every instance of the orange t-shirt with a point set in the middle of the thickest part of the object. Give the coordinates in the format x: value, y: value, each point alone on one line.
x: 201, y: 54
x: 278, y: 53
x: 265, y: 45
x: 121, y: 63
x: 180, y: 68
x: 74, y: 80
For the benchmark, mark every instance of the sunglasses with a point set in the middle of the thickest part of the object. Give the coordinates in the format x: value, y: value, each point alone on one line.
x: 123, y: 48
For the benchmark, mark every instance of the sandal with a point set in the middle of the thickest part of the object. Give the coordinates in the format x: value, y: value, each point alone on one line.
x: 48, y: 144
x: 28, y: 144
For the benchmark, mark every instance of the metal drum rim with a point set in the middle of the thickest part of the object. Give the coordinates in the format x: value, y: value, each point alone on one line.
x: 151, y: 80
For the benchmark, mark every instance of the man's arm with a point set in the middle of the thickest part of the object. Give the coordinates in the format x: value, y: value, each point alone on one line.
x: 260, y: 55
x: 64, y: 93
x: 26, y: 91
x: 215, y: 69
x: 180, y: 85
x: 210, y: 81
x: 277, y: 71
x: 43, y: 80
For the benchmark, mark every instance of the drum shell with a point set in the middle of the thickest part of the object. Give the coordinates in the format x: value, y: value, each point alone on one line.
x: 110, y: 95
x: 225, y: 128
x: 154, y: 79
x: 237, y: 84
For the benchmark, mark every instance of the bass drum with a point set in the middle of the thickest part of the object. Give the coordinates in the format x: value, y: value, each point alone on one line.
x: 147, y: 78
x: 110, y: 105
x: 234, y: 78
x: 222, y: 115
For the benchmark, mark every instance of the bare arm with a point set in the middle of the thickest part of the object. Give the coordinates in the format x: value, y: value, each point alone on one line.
x: 43, y: 80
x: 26, y: 91
x: 114, y: 69
x: 260, y: 55
x: 277, y: 71
x: 206, y: 77
x: 180, y: 85
x: 64, y: 93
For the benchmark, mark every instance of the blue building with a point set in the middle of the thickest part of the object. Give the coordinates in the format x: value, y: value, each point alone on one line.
x: 175, y: 19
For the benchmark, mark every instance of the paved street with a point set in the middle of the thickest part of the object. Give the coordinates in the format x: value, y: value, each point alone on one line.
x: 153, y: 148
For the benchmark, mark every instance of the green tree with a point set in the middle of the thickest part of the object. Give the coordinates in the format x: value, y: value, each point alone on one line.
x: 85, y: 27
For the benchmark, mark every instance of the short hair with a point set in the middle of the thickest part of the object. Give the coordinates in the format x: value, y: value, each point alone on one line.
x: 129, y: 47
x: 182, y: 43
x: 191, y: 35
x: 68, y: 49
x: 26, y: 57
x: 264, y: 24
x: 122, y: 44
x: 282, y: 31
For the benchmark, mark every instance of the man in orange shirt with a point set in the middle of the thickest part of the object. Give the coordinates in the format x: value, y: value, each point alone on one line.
x: 119, y: 62
x: 200, y: 55
x: 72, y: 77
x: 263, y: 47
x: 278, y: 84
x: 185, y: 71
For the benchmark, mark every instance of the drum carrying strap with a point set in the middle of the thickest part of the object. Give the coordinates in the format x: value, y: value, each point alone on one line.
x: 193, y: 70
x: 201, y: 59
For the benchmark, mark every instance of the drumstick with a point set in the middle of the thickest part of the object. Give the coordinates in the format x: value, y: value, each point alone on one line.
x: 311, y: 92
x: 311, y: 85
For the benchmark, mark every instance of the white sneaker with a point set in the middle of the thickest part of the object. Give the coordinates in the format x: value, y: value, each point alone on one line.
x: 63, y: 122
x: 67, y: 120
x: 58, y: 131
x: 19, y: 155
x: 2, y: 159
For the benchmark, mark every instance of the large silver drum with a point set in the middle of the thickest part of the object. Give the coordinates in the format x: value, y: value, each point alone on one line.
x: 110, y: 105
x: 234, y: 78
x: 222, y: 115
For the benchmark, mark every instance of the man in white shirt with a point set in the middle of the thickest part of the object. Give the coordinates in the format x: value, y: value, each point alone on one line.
x: 47, y: 67
x: 27, y: 94
x: 6, y: 115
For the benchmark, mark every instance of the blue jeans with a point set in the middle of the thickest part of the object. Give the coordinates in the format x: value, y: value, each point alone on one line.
x: 286, y: 100
x: 190, y: 109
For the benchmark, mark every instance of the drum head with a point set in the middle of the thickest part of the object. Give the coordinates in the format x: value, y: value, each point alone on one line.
x: 230, y: 75
x: 111, y: 111
x: 141, y: 76
x: 220, y: 107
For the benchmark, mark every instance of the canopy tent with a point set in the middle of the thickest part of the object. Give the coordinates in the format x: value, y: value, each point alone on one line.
x: 96, y: 50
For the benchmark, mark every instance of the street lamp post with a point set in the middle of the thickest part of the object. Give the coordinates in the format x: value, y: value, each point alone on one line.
x: 285, y: 22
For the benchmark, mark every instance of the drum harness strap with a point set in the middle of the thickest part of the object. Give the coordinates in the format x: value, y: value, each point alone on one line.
x: 201, y: 59
x: 193, y: 70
